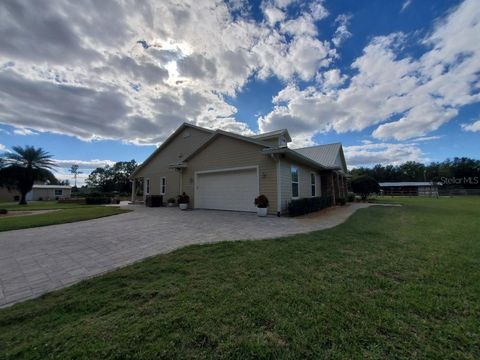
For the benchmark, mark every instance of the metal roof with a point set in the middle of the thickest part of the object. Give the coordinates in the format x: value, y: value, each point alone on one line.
x: 406, y: 183
x: 51, y: 187
x: 323, y: 154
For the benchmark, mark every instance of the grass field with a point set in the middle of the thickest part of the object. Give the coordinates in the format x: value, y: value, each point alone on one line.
x: 400, y: 282
x: 67, y: 213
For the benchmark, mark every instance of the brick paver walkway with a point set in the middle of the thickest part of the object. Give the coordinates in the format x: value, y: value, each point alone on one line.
x: 35, y: 261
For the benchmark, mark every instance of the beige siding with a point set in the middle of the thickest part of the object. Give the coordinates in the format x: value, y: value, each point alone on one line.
x: 225, y: 152
x: 304, y: 182
x: 8, y: 195
x: 181, y: 146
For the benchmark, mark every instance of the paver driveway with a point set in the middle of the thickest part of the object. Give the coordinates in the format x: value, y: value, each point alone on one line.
x: 35, y: 261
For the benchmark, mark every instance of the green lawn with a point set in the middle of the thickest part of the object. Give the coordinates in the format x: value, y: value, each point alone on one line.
x: 400, y: 282
x: 68, y: 213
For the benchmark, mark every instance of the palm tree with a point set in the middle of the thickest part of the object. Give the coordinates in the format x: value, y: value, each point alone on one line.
x: 75, y: 172
x: 23, y: 166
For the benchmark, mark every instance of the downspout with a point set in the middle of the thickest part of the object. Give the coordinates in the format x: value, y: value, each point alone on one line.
x: 181, y: 181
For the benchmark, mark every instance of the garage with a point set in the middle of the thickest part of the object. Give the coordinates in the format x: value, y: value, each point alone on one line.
x: 227, y: 189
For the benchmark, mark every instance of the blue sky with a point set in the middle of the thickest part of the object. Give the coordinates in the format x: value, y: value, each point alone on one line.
x: 98, y: 83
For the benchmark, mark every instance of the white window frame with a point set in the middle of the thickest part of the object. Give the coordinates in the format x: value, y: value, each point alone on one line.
x: 163, y: 185
x: 313, y: 184
x: 60, y: 192
x: 147, y: 186
x: 295, y: 182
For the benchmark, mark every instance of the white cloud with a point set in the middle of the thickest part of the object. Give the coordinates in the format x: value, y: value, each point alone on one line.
x: 400, y: 97
x: 474, y: 126
x: 369, y: 154
x: 2, y: 147
x: 101, y: 70
x: 84, y: 164
x: 405, y: 5
x: 341, y: 33
x: 23, y: 131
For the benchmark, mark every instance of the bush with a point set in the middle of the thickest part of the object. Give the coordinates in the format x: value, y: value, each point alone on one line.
x: 351, y: 197
x: 308, y: 205
x: 154, y: 200
x: 341, y: 201
x: 364, y: 186
x: 171, y: 200
x: 3, y: 211
x: 96, y: 200
x: 183, y: 199
x: 261, y: 201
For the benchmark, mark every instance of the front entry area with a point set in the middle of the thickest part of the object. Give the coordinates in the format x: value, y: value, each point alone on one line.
x: 227, y: 189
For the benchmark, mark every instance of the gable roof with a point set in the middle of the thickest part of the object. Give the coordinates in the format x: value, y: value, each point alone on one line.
x: 166, y: 142
x: 217, y: 133
x: 324, y: 154
x: 272, y: 134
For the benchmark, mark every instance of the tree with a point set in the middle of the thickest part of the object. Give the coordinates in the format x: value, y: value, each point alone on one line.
x: 25, y: 165
x: 364, y: 186
x: 112, y: 178
x: 74, y: 170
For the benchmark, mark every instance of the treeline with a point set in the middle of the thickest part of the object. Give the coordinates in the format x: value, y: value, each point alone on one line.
x: 112, y: 178
x: 459, y: 172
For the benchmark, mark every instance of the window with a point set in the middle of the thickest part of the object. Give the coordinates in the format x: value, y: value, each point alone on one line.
x: 147, y: 186
x: 294, y: 171
x: 313, y: 183
x: 58, y: 192
x: 163, y: 185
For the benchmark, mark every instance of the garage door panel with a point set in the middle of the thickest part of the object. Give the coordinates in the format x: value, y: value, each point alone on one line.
x: 227, y: 190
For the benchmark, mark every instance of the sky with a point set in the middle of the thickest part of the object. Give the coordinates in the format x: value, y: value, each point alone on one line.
x: 95, y: 82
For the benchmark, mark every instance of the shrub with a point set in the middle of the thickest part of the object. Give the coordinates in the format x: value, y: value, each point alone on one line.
x: 364, y: 186
x: 261, y: 201
x: 154, y: 200
x: 351, y: 197
x: 341, y: 201
x: 96, y: 200
x: 3, y: 211
x: 171, y: 200
x: 183, y: 199
x: 308, y: 205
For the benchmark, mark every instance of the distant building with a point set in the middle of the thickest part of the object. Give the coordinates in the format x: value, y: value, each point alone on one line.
x: 8, y: 195
x: 405, y: 188
x: 49, y: 192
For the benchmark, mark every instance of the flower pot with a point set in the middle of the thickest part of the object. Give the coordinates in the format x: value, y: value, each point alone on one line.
x: 171, y: 204
x: 261, y: 211
x: 183, y: 206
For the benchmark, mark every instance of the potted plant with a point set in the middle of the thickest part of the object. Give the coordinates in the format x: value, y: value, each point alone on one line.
x: 183, y: 201
x: 261, y: 202
x: 171, y: 202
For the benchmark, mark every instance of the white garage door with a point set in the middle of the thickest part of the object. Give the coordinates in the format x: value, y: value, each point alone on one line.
x: 227, y: 190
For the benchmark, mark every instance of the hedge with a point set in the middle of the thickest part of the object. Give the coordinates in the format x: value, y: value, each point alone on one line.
x: 96, y: 200
x: 308, y: 205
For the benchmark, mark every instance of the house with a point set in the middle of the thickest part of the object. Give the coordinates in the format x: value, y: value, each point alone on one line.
x: 49, y: 192
x: 403, y: 188
x: 7, y: 195
x: 226, y: 171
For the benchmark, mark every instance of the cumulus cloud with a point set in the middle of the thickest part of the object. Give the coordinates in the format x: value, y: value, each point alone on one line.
x: 401, y: 97
x: 341, y: 33
x: 369, y: 154
x: 112, y: 70
x: 473, y: 127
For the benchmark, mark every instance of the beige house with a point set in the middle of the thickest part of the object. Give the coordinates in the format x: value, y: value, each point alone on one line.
x: 226, y: 171
x: 49, y: 192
